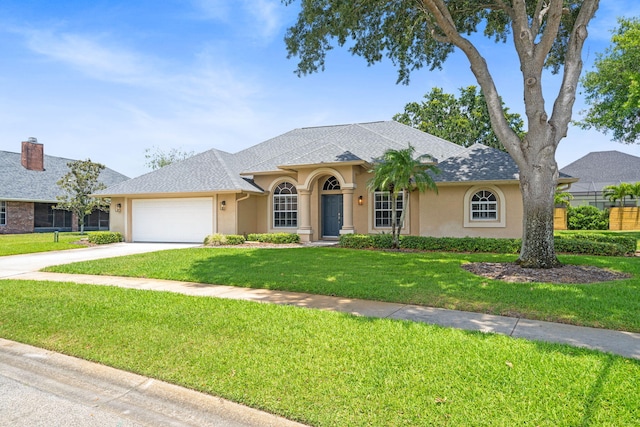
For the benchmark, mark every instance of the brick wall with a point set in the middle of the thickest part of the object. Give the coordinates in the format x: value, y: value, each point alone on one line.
x: 19, y: 218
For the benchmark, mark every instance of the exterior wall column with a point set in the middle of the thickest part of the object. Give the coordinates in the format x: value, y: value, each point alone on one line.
x: 304, y: 215
x: 347, y: 211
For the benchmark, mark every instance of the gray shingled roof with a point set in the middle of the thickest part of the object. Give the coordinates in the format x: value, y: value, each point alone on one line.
x: 601, y: 168
x: 210, y: 171
x: 478, y: 163
x: 20, y: 184
x: 218, y: 171
x: 343, y: 143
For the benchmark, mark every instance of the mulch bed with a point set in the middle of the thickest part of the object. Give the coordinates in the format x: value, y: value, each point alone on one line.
x: 512, y: 272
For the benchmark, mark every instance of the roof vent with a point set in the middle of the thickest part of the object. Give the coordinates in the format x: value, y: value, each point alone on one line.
x: 32, y: 140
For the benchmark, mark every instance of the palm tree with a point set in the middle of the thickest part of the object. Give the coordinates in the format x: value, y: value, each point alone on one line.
x: 398, y: 172
x: 635, y: 192
x: 617, y: 192
x: 562, y: 198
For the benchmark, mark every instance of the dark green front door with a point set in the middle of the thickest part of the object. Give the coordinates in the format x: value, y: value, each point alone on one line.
x: 331, y: 215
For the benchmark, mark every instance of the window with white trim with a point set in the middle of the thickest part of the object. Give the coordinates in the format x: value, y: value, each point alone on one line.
x: 382, y: 202
x: 3, y: 213
x: 484, y: 206
x: 285, y: 206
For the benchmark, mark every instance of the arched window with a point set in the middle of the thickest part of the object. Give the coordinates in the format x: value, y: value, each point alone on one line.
x: 285, y: 206
x: 484, y: 206
x: 331, y: 183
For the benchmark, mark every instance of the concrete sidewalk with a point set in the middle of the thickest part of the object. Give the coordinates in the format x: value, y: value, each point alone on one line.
x: 626, y: 344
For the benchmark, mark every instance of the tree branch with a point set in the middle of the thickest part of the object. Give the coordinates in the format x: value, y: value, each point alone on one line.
x: 563, y: 106
x: 505, y: 134
x: 554, y: 19
x: 538, y: 16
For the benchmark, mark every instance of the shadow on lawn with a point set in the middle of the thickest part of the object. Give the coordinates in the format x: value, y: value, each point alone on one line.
x: 428, y: 279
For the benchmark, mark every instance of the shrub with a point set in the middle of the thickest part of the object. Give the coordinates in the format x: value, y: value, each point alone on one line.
x: 215, y: 240
x: 235, y: 239
x: 624, y: 245
x: 277, y: 238
x: 104, y: 237
x: 588, y: 247
x: 425, y: 243
x: 461, y: 244
x: 587, y: 244
x: 587, y: 218
x: 356, y: 241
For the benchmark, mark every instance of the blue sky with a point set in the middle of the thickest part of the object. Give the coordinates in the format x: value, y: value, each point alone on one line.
x: 107, y: 79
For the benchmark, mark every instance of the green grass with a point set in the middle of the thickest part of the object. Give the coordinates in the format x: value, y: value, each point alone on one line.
x: 324, y: 368
x: 15, y: 244
x: 432, y: 279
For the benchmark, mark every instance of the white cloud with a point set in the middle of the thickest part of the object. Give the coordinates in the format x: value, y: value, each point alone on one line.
x: 91, y: 55
x: 261, y: 19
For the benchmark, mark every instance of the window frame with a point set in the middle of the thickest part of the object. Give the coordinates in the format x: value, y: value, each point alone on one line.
x: 284, y: 208
x: 3, y: 213
x: 498, y: 222
x: 485, y: 207
x: 386, y: 210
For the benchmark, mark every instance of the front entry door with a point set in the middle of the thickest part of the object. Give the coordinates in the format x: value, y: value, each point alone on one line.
x: 331, y: 215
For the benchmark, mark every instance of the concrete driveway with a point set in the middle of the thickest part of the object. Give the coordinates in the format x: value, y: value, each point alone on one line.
x: 18, y: 264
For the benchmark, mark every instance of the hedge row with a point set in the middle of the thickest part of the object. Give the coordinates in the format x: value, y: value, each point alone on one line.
x: 277, y: 238
x: 616, y: 245
x: 104, y: 237
x: 605, y: 245
x: 222, y: 239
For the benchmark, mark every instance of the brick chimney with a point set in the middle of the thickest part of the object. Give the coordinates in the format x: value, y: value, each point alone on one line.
x: 32, y: 155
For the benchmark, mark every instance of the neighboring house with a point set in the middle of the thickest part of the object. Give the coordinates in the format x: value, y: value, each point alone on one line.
x: 597, y: 170
x: 313, y: 181
x: 28, y: 192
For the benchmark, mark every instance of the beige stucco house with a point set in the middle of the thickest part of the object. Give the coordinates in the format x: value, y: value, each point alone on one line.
x: 313, y: 182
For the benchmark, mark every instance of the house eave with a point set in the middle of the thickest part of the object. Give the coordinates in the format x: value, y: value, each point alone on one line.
x: 17, y: 199
x: 175, y: 194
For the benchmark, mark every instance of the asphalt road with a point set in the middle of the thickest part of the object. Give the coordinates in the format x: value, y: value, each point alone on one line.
x: 43, y: 388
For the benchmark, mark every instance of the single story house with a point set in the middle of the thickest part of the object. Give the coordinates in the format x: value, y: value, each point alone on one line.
x: 313, y: 182
x: 597, y: 170
x: 29, y: 190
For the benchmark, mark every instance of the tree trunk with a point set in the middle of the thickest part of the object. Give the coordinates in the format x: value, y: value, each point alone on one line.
x: 538, y: 182
x: 394, y: 216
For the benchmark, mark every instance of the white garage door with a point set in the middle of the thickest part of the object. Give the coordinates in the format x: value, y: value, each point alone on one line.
x: 172, y: 220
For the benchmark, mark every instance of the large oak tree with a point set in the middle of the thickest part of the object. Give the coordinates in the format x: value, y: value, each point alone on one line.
x: 464, y: 120
x: 612, y: 90
x: 419, y: 33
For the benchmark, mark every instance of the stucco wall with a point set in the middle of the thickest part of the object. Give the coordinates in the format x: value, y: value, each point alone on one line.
x: 117, y: 219
x: 19, y: 218
x: 247, y: 218
x: 443, y: 214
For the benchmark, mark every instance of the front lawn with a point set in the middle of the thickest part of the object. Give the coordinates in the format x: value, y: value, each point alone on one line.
x: 325, y: 368
x: 15, y: 244
x: 431, y: 279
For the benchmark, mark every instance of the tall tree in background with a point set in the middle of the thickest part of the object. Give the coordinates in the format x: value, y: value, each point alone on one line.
x: 418, y: 33
x: 158, y: 158
x: 613, y: 89
x: 464, y: 120
x: 398, y: 172
x: 78, y: 184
